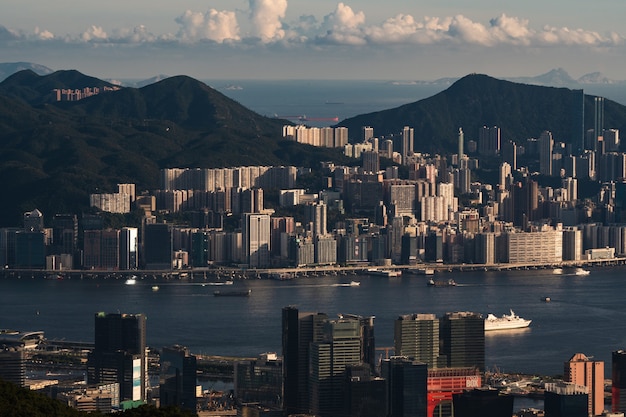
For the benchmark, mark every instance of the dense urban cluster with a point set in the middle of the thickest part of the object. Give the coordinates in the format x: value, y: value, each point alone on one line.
x: 328, y: 367
x: 419, y: 208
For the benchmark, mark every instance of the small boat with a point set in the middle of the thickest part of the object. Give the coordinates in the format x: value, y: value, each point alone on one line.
x: 546, y: 299
x: 557, y: 271
x: 580, y: 271
x: 243, y: 293
x: 132, y: 280
x: 155, y: 288
x: 355, y: 283
x: 449, y: 283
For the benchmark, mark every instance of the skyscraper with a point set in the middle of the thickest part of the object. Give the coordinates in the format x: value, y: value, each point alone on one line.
x: 339, y: 348
x: 546, y: 144
x: 256, y: 239
x: 598, y: 122
x: 407, y: 387
x: 461, y: 142
x: 119, y: 354
x: 407, y: 143
x: 417, y: 336
x: 581, y: 370
x: 618, y: 378
x: 462, y: 336
x: 177, y: 378
x: 489, y: 140
x: 299, y: 330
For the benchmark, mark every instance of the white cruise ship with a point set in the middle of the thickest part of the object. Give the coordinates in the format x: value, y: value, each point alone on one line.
x: 506, y: 322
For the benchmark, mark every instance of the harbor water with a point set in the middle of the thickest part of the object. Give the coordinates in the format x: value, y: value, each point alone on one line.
x: 586, y: 313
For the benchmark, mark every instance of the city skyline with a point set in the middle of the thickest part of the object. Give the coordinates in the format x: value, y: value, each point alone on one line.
x: 293, y: 39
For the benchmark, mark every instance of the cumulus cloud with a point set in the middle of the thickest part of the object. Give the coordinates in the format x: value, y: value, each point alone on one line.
x: 214, y: 25
x: 43, y: 34
x: 94, y: 33
x: 264, y: 21
x: 266, y: 17
x: 343, y: 26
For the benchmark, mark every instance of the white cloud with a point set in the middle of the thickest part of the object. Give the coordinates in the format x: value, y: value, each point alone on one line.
x: 266, y: 17
x: 218, y: 26
x: 94, y: 33
x: 265, y: 20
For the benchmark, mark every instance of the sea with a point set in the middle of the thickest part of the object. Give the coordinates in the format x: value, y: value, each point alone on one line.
x: 322, y: 102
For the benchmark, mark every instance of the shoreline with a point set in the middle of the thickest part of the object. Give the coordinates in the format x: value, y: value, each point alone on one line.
x: 231, y: 273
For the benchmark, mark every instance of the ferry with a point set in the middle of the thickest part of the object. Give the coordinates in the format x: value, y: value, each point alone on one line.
x: 132, y: 280
x: 580, y: 271
x: 506, y: 322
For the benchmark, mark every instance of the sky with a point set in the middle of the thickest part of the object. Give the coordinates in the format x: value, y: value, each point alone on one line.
x: 316, y: 39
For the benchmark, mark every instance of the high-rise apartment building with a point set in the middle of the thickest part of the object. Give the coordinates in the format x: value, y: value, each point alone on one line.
x: 119, y: 354
x: 256, y: 239
x: 462, y: 336
x: 581, y: 370
x: 489, y: 141
x: 407, y: 143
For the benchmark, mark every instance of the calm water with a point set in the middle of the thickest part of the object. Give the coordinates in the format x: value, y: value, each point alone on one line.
x: 344, y: 99
x: 587, y: 314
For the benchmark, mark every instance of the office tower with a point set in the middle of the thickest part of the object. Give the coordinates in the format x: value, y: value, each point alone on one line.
x: 546, y: 145
x: 280, y: 226
x: 12, y: 364
x: 256, y: 239
x: 368, y: 341
x: 64, y: 234
x: 618, y: 378
x: 407, y: 387
x: 416, y: 336
x: 30, y: 249
x: 407, y: 143
x: 509, y: 153
x: 329, y: 358
x: 119, y: 354
x: 462, y: 336
x: 299, y: 330
x: 129, y: 248
x: 365, y: 395
x: 577, y: 124
x: 483, y: 403
x: 489, y: 141
x: 177, y: 382
x: 260, y: 381
x: 157, y: 246
x: 563, y: 399
x: 33, y: 221
x: 598, y: 122
x: 581, y: 370
x: 460, y: 144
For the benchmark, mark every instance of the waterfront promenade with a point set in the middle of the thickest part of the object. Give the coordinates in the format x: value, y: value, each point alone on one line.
x: 224, y: 272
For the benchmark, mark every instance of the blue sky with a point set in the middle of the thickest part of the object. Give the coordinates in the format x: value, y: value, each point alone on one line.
x: 306, y: 39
